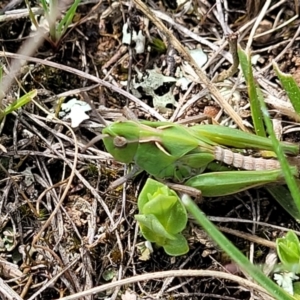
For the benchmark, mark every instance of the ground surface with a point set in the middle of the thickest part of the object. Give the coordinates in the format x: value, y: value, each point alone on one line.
x: 92, y: 238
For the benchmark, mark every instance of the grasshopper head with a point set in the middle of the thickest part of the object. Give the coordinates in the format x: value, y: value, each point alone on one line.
x: 121, y: 140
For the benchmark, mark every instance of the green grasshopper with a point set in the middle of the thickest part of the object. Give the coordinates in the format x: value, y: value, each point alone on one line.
x: 172, y: 151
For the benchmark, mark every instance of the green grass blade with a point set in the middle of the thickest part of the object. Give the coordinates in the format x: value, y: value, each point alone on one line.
x: 287, y: 173
x: 67, y: 19
x: 233, y: 252
x: 290, y: 86
x: 20, y: 102
x: 45, y: 7
x: 259, y: 101
x: 254, y: 93
x: 31, y: 15
x: 50, y: 11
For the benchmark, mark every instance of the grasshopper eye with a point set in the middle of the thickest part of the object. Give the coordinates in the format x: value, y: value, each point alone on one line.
x: 120, y: 142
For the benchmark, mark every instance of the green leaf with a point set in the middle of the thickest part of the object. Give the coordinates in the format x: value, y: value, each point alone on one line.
x: 162, y: 217
x: 169, y: 211
x: 45, y: 6
x: 158, y: 199
x: 292, y: 238
x: 288, y: 250
x: 20, y: 102
x: 150, y: 188
x: 290, y: 86
x: 151, y: 227
x: 67, y: 19
x: 254, y: 91
x: 177, y: 247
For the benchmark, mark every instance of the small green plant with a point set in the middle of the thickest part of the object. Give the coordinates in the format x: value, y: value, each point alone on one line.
x: 51, y: 10
x: 288, y: 250
x: 158, y: 45
x: 92, y: 170
x: 162, y: 217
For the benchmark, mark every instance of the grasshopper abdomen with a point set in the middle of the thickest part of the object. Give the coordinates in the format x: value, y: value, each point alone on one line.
x: 240, y: 161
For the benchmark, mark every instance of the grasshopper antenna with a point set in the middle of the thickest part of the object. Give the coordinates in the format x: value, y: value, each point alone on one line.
x: 87, y: 99
x: 129, y: 114
x: 101, y: 119
x: 93, y: 141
